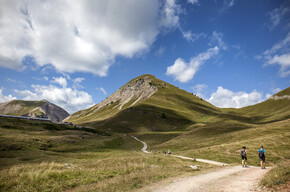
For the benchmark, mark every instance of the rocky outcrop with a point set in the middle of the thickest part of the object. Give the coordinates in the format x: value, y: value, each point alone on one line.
x: 40, y: 109
x: 136, y: 90
x: 127, y: 96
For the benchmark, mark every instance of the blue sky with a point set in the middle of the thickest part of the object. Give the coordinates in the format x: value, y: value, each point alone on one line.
x: 232, y: 53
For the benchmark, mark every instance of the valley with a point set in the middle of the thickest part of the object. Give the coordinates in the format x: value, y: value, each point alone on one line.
x: 101, y: 155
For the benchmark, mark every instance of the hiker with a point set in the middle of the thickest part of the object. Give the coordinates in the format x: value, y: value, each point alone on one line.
x: 169, y: 152
x: 244, y: 156
x: 262, y: 155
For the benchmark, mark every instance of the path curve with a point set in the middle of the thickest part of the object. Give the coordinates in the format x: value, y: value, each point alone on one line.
x: 144, y: 149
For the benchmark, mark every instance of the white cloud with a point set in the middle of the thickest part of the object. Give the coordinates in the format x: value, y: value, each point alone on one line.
x: 60, y: 80
x: 103, y: 90
x: 83, y: 36
x: 276, y: 16
x: 283, y: 61
x: 70, y: 99
x: 11, y: 80
x: 77, y: 82
x: 216, y: 39
x: 4, y: 98
x: 279, y: 54
x: 228, y: 99
x: 226, y: 5
x: 275, y: 90
x: 281, y: 45
x: 191, y: 37
x: 170, y: 14
x: 199, y: 90
x: 193, y: 1
x: 183, y: 72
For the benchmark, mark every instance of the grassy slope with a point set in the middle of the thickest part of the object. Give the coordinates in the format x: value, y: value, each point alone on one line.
x: 26, y: 107
x: 169, y: 109
x: 37, y: 156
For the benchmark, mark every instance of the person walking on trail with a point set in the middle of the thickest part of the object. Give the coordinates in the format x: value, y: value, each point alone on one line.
x: 244, y: 156
x: 262, y: 155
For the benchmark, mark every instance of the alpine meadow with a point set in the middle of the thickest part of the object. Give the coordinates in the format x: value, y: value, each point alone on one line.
x: 145, y: 96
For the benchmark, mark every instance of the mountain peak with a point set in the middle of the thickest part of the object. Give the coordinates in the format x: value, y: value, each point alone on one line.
x: 131, y: 93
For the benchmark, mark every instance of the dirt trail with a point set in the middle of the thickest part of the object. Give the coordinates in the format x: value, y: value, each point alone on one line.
x: 144, y: 149
x: 226, y: 179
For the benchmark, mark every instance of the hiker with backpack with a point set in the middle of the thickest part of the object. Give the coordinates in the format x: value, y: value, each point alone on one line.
x: 244, y: 156
x: 262, y: 155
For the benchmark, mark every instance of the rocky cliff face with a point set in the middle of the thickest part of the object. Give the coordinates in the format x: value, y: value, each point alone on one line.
x: 41, y: 109
x: 136, y: 90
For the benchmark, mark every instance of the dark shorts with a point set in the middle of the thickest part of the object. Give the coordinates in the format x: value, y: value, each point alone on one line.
x: 262, y: 159
x: 244, y: 157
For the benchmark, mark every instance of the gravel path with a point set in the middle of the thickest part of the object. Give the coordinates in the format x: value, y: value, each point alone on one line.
x: 228, y: 179
x: 144, y: 149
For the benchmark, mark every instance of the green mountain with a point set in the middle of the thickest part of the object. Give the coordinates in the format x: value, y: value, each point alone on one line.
x: 149, y: 104
x: 40, y: 109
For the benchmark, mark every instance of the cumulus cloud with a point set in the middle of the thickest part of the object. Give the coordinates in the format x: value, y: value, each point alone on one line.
x: 4, y: 98
x: 170, y: 14
x: 60, y: 80
x: 83, y: 36
x: 71, y: 99
x: 183, y: 72
x: 228, y: 99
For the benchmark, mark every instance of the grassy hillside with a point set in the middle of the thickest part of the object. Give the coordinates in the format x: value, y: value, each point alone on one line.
x: 33, y: 155
x: 37, y: 156
x: 20, y: 107
x: 168, y: 100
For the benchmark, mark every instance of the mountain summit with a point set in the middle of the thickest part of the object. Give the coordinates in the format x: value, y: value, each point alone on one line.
x: 41, y: 109
x: 147, y: 101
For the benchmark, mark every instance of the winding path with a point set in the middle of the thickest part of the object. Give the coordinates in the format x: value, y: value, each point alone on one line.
x: 144, y: 149
x: 226, y: 179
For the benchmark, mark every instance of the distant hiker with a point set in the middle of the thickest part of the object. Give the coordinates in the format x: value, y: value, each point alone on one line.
x: 244, y: 156
x: 164, y: 152
x: 262, y: 156
x: 169, y: 152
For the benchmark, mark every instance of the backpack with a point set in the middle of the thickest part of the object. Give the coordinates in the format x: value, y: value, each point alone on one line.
x: 243, y: 153
x: 261, y: 153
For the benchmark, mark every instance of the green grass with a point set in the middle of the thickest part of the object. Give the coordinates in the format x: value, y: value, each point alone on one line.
x: 25, y: 107
x: 37, y: 156
x: 105, y: 158
x: 279, y: 175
